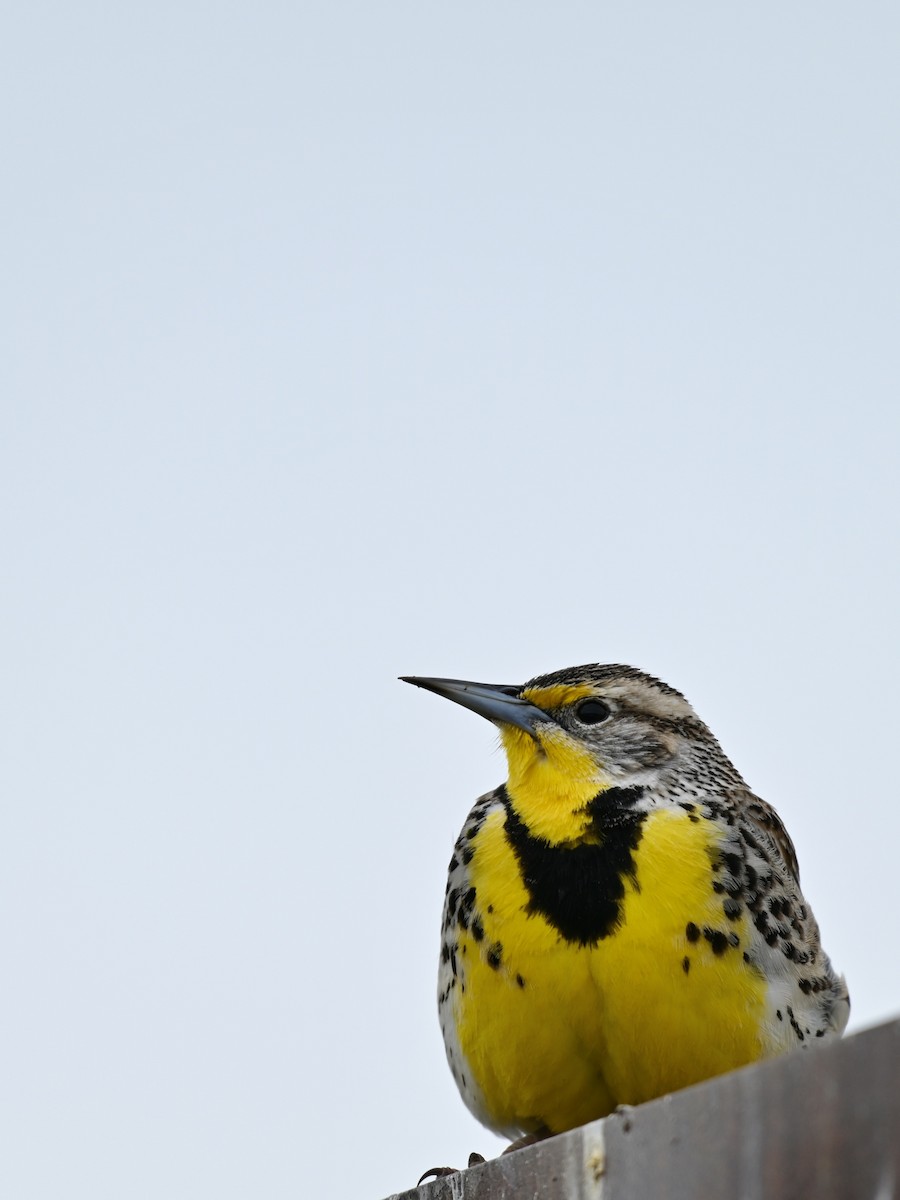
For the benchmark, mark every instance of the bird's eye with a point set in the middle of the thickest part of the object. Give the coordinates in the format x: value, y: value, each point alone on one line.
x: 592, y: 712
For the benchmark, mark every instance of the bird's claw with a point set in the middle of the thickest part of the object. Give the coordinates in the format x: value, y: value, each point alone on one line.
x: 475, y: 1160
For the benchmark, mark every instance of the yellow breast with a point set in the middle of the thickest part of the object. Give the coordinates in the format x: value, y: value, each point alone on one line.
x: 555, y: 1032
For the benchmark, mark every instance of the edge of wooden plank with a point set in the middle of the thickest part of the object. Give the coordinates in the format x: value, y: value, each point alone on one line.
x: 823, y: 1121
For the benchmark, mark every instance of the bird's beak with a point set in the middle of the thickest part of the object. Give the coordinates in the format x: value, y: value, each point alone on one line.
x: 498, y: 703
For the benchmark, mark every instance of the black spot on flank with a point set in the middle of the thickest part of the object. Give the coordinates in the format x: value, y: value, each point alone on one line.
x: 788, y: 949
x: 477, y: 930
x: 805, y: 987
x: 464, y: 911
x: 692, y: 932
x: 495, y: 955
x: 520, y: 981
x: 578, y: 888
x: 749, y: 840
x: 732, y: 909
x: 746, y: 956
x: 467, y: 855
x: 718, y: 888
x: 778, y: 1014
x: 490, y: 908
x: 733, y: 863
x: 454, y: 863
x: 445, y: 953
x: 733, y: 940
x: 693, y: 817
x: 471, y: 832
x: 717, y: 940
x: 820, y: 1033
x: 685, y: 964
x: 795, y: 1025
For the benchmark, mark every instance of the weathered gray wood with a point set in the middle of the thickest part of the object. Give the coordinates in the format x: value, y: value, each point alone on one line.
x: 823, y: 1124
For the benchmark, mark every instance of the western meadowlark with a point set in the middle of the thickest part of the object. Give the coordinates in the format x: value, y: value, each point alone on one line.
x: 623, y: 916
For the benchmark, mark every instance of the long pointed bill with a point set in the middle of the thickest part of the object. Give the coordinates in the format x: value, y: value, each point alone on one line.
x: 497, y: 703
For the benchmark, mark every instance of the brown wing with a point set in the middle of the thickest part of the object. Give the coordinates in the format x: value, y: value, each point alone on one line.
x: 767, y: 820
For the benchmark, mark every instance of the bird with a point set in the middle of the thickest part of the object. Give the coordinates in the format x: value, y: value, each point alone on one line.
x: 623, y: 916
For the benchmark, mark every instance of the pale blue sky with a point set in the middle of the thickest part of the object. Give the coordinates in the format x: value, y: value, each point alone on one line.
x: 348, y: 341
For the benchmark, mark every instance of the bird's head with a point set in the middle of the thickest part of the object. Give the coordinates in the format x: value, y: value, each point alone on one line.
x: 575, y: 733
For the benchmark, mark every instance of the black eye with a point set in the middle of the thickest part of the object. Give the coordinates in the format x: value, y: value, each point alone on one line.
x: 592, y: 712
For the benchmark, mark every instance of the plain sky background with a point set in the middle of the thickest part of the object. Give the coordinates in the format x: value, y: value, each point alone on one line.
x: 350, y: 340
